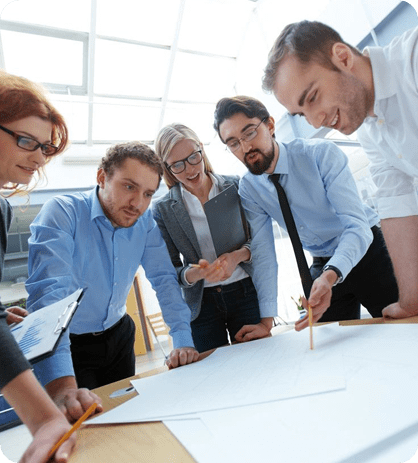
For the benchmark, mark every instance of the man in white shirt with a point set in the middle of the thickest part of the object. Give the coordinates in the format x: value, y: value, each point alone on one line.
x: 314, y: 73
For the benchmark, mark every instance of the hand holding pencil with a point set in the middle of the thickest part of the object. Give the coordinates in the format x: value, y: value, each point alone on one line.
x: 319, y: 301
x: 74, y: 428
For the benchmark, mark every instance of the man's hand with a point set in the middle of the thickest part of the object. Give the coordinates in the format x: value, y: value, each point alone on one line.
x: 396, y: 311
x: 250, y: 332
x: 182, y: 356
x: 71, y: 400
x: 15, y: 314
x: 319, y: 300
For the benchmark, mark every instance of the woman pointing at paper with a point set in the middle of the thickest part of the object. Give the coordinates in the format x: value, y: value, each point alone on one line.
x: 31, y: 133
x: 218, y: 290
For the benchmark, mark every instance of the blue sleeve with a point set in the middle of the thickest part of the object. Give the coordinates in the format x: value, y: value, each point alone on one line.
x: 163, y: 278
x: 342, y: 193
x: 50, y: 278
x: 263, y: 252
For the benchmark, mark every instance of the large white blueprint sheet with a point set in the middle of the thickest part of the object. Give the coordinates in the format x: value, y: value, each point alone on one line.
x: 362, y: 406
x: 270, y: 369
x: 374, y: 420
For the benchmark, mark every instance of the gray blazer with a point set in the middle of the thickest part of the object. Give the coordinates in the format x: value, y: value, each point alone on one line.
x: 177, y: 230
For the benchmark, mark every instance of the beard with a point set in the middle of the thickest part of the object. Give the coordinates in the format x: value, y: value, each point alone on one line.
x: 357, y: 101
x: 261, y: 165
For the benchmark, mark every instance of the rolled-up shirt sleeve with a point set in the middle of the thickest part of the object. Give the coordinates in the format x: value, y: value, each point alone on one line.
x: 163, y: 278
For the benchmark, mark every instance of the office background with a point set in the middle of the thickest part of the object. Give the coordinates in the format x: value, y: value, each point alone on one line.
x: 121, y: 70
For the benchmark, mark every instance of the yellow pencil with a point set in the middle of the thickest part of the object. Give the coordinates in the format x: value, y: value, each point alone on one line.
x: 310, y: 327
x: 76, y: 425
x: 195, y: 265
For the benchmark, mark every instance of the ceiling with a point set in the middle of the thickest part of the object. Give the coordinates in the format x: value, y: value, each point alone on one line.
x: 122, y: 70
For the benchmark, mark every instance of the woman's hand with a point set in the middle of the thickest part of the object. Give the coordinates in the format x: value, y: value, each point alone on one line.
x: 15, y: 314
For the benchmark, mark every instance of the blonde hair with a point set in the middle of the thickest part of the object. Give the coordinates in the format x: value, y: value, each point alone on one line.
x: 167, y: 139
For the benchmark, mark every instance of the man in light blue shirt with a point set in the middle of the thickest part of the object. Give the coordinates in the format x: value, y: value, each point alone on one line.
x: 351, y: 265
x: 97, y: 240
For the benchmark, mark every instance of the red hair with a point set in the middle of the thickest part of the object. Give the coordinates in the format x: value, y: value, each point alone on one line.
x: 20, y: 98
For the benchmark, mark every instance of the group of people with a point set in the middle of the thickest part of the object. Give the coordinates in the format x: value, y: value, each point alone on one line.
x: 98, y: 239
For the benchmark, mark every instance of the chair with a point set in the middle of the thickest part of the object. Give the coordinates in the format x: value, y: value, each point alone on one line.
x: 158, y: 327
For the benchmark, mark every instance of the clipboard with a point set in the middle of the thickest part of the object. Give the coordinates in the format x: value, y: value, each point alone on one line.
x: 227, y: 223
x: 39, y: 334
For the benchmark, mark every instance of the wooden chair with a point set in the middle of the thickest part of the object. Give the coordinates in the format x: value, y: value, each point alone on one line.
x: 158, y: 328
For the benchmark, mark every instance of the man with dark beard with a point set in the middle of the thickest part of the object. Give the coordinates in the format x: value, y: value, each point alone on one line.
x: 351, y: 265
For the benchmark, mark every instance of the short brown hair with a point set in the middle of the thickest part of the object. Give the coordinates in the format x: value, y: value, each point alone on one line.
x: 117, y: 154
x: 228, y: 107
x: 308, y: 41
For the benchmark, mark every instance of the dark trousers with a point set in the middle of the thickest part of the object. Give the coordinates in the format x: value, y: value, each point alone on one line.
x: 225, y: 309
x: 370, y: 283
x: 103, y: 358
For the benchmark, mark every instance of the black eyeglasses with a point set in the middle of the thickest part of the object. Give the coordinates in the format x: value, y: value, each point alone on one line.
x: 30, y: 144
x: 248, y: 135
x: 179, y: 166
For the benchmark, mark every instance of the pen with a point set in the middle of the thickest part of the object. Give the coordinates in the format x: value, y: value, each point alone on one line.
x: 76, y: 425
x: 310, y: 327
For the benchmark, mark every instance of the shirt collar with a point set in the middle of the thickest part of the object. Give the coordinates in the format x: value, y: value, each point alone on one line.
x: 384, y: 85
x: 96, y: 207
x: 282, y: 165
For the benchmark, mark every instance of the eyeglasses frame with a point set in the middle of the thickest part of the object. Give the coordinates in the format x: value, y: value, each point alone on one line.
x: 18, y: 137
x: 184, y: 162
x: 244, y: 137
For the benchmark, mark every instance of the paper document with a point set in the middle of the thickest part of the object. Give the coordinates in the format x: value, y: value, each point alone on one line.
x: 373, y: 420
x: 265, y: 370
x: 39, y: 333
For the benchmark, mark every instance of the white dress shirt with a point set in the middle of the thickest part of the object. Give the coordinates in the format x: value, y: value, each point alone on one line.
x: 390, y: 139
x: 201, y: 226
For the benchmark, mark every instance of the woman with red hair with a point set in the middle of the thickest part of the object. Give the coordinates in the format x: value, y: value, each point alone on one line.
x: 31, y: 133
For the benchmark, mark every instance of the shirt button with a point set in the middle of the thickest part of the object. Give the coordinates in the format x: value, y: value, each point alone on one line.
x: 381, y: 121
x: 114, y: 284
x: 302, y: 228
x: 116, y: 258
x: 400, y: 156
x: 219, y: 289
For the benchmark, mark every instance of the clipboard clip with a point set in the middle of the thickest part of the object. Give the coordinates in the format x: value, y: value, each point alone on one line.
x: 65, y: 317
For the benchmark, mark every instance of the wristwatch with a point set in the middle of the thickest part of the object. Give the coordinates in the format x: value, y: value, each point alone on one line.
x: 336, y: 270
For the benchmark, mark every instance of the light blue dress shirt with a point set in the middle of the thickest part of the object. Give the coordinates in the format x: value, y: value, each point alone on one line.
x: 329, y: 215
x: 73, y: 244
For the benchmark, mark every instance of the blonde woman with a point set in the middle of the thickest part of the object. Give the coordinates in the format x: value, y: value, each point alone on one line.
x: 220, y: 294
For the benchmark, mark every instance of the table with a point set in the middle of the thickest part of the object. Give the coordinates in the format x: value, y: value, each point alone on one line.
x: 146, y: 442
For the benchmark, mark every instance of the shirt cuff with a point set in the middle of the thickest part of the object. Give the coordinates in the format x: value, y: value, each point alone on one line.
x: 182, y: 338
x: 56, y: 366
x: 268, y: 309
x: 184, y: 279
x: 250, y: 260
x: 397, y: 206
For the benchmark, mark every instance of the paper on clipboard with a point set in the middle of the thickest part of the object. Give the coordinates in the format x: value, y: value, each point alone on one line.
x: 38, y: 335
x: 226, y: 220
